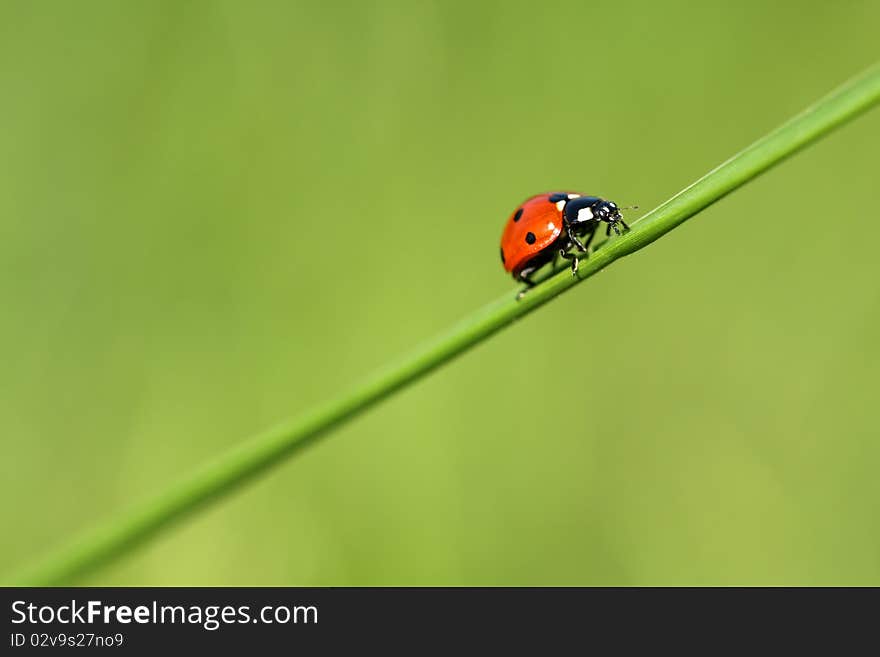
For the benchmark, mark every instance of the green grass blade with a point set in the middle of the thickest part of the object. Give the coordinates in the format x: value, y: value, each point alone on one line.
x: 246, y: 462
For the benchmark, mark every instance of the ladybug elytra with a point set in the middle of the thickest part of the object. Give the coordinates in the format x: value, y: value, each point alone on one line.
x: 553, y: 223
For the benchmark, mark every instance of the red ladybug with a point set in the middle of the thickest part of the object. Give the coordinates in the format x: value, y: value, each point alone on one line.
x: 552, y: 223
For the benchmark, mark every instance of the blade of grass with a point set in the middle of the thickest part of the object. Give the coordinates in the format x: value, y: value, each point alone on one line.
x: 255, y: 456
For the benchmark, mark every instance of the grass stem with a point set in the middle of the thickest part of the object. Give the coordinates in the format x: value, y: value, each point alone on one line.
x: 252, y: 458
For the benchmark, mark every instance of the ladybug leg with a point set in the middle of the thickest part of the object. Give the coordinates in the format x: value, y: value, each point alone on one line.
x: 612, y: 225
x: 525, y: 277
x: 574, y: 260
x: 574, y: 240
x: 583, y: 247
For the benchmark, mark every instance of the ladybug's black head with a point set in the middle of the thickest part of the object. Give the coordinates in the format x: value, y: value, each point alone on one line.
x: 606, y: 211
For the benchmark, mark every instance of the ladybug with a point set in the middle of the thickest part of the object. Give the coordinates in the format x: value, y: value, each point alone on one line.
x: 549, y: 224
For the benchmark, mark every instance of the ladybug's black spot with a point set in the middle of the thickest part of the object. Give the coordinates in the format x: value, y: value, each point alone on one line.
x: 502, y: 256
x: 518, y: 214
x: 530, y: 238
x: 555, y: 198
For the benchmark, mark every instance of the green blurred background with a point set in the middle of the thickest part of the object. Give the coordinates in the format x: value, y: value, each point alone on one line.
x: 215, y: 214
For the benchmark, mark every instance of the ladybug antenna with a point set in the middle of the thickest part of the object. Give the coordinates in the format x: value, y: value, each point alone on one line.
x: 630, y: 207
